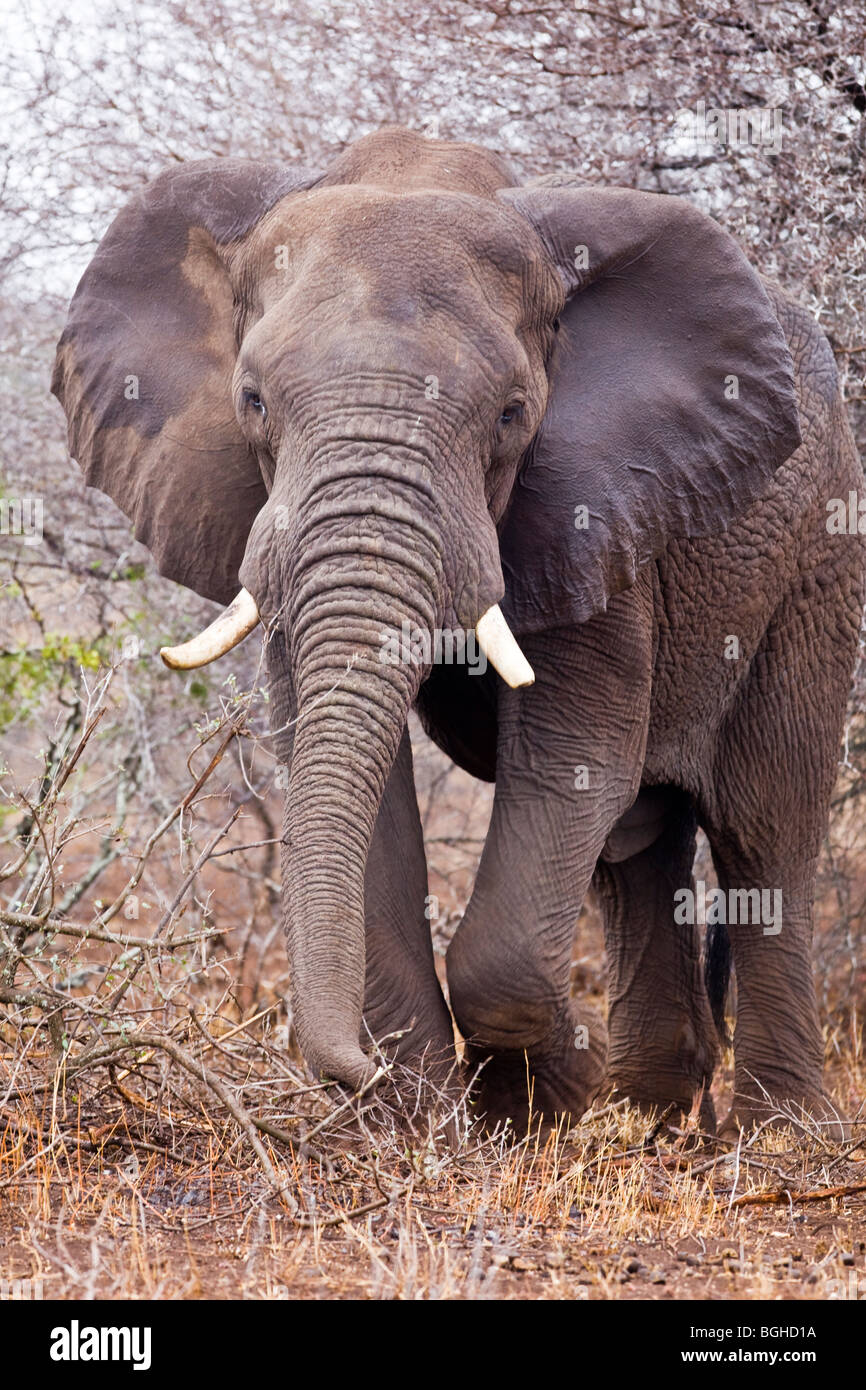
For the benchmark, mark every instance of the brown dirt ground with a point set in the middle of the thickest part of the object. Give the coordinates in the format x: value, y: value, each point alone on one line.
x: 137, y: 1211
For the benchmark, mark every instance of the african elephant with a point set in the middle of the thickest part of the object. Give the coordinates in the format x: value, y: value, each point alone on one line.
x: 409, y: 390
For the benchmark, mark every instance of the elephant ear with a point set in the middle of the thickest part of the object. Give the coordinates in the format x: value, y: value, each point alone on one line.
x: 144, y: 367
x: 671, y: 398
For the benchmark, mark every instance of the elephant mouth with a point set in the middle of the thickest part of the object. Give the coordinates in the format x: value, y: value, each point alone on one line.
x: 495, y: 639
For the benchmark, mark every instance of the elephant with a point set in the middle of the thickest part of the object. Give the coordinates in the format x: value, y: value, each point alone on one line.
x: 410, y: 392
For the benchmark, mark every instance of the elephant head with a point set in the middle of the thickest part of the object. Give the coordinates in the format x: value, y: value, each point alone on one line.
x: 407, y: 390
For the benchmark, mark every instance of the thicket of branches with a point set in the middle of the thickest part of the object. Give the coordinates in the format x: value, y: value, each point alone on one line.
x: 104, y: 95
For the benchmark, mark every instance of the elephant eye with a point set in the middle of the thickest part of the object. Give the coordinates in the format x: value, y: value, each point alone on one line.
x: 511, y: 412
x: 253, y: 399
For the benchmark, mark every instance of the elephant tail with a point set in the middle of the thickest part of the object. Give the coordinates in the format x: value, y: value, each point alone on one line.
x: 717, y: 975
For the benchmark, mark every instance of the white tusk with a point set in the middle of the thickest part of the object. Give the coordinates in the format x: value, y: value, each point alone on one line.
x: 231, y: 627
x: 499, y: 645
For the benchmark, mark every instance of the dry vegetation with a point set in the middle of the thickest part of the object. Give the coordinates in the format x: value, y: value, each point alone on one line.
x: 159, y: 1135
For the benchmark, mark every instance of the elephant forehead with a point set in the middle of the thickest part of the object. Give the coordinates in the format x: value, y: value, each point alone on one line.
x: 423, y: 242
x: 391, y: 348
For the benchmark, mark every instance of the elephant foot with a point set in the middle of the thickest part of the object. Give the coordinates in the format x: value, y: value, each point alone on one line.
x: 707, y: 1122
x: 668, y: 1068
x: 413, y: 1102
x: 421, y: 1090
x: 675, y: 1105
x: 430, y: 1091
x: 806, y: 1111
x: 527, y: 1087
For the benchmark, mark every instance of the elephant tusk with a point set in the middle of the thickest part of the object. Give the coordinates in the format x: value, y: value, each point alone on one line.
x: 499, y: 645
x: 231, y: 627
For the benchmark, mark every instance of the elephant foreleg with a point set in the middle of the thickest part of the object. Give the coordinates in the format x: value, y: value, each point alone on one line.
x: 570, y: 749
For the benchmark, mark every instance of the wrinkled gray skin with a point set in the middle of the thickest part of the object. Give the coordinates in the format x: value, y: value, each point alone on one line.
x: 378, y: 395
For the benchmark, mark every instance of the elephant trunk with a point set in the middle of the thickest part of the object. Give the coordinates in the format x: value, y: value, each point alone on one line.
x: 351, y: 588
x: 349, y: 726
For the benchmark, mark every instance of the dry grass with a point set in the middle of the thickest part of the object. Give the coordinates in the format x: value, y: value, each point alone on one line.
x: 160, y: 1137
x: 204, y: 1164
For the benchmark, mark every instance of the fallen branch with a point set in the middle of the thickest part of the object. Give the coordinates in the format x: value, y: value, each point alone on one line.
x: 818, y: 1194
